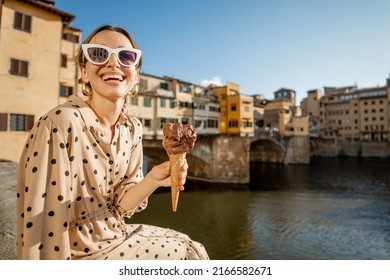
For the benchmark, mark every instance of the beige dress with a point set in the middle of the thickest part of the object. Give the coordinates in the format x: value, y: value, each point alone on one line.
x: 70, y: 182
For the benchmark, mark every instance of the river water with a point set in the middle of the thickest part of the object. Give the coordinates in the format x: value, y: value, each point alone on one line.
x: 331, y: 209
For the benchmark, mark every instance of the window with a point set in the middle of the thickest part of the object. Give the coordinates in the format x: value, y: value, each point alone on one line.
x: 246, y: 124
x: 161, y: 121
x: 22, y: 22
x: 185, y: 88
x: 148, y: 123
x: 70, y: 37
x: 184, y: 120
x: 19, y: 67
x: 134, y: 100
x: 21, y: 122
x: 214, y: 109
x: 233, y: 107
x: 173, y: 104
x: 164, y: 86
x: 66, y: 91
x: 212, y: 123
x: 143, y: 85
x: 233, y: 123
x: 3, y: 121
x: 163, y: 102
x: 147, y: 101
x: 198, y: 123
x: 64, y: 61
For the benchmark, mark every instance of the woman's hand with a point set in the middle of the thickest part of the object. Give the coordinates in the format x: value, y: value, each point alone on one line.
x: 161, y: 175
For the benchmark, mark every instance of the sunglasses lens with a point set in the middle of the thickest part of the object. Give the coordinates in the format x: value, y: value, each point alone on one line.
x: 127, y: 57
x: 98, y: 55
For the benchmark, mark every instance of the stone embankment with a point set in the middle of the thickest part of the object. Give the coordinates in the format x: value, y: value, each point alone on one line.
x: 7, y: 210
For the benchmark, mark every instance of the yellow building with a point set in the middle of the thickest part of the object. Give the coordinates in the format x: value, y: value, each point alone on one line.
x: 37, y: 70
x: 237, y: 113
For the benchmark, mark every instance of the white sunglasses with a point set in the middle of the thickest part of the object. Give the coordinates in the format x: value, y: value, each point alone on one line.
x: 99, y: 54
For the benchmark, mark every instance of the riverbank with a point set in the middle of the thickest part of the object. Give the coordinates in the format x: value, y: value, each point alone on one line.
x: 7, y: 210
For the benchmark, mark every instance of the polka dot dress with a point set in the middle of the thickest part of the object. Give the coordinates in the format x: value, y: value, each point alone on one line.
x: 70, y: 182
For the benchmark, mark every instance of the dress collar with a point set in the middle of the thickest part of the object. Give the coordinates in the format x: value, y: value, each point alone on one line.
x: 88, y: 115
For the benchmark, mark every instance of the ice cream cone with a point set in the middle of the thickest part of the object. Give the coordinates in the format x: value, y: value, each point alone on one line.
x: 176, y: 162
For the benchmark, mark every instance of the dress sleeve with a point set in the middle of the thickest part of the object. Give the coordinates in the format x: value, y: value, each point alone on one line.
x: 43, y: 195
x: 135, y: 171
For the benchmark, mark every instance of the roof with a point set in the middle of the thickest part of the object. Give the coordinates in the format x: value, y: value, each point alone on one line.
x: 49, y: 7
x: 285, y: 89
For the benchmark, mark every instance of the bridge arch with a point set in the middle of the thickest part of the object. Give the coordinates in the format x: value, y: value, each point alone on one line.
x: 267, y: 150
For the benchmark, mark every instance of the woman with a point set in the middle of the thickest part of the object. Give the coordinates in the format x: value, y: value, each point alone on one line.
x: 81, y: 173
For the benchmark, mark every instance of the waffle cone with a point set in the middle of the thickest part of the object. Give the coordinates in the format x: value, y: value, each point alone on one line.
x: 176, y: 162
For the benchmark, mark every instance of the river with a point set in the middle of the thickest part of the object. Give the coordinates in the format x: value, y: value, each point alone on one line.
x: 334, y: 208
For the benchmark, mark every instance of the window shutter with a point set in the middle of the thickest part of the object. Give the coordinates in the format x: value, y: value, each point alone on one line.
x: 3, y: 121
x: 29, y: 122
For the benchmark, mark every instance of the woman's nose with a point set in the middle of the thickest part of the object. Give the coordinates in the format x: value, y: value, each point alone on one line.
x: 113, y: 61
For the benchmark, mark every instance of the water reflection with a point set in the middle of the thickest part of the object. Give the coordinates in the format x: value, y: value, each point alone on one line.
x: 332, y: 209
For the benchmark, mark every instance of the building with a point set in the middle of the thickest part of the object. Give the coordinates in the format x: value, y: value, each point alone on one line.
x: 154, y: 105
x: 237, y: 115
x: 164, y: 99
x: 285, y: 94
x: 282, y: 116
x: 311, y: 105
x: 356, y: 114
x: 34, y: 81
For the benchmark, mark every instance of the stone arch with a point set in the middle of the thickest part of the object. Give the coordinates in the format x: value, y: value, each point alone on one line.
x: 267, y: 150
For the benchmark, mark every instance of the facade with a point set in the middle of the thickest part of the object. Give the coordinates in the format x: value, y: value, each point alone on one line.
x: 163, y: 99
x: 311, y: 105
x: 34, y: 81
x: 237, y: 113
x: 282, y: 117
x: 356, y: 114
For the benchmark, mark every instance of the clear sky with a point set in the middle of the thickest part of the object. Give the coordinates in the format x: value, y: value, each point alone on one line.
x: 260, y: 45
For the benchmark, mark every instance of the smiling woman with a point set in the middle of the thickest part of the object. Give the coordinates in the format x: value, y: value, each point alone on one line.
x: 81, y: 172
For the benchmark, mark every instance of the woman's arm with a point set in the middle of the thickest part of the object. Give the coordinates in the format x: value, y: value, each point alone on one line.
x: 159, y: 176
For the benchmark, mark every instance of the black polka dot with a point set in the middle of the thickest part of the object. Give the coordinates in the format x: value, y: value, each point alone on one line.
x: 51, y: 213
x: 56, y: 248
x: 53, y: 161
x: 60, y: 198
x: 29, y: 224
x: 62, y: 146
x: 58, y: 112
x: 51, y: 234
x: 35, y: 169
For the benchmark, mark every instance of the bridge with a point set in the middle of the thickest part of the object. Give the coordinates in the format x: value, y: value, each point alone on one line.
x: 225, y: 158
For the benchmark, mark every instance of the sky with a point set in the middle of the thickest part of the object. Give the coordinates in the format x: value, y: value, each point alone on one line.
x: 261, y: 45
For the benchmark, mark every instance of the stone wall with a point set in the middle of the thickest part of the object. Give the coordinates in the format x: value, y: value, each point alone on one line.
x: 339, y: 147
x: 297, y: 150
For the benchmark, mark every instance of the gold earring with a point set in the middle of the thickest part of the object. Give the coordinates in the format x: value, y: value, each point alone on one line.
x: 86, y: 89
x: 134, y: 91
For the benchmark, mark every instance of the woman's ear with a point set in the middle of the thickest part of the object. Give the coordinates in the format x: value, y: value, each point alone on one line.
x: 84, y: 75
